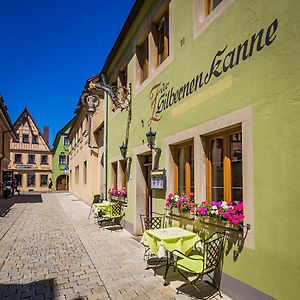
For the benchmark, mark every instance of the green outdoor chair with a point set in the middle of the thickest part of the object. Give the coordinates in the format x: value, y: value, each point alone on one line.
x: 114, y: 217
x: 151, y: 221
x: 203, y: 260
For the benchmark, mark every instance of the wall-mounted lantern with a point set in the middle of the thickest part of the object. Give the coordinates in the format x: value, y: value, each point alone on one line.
x: 123, y: 150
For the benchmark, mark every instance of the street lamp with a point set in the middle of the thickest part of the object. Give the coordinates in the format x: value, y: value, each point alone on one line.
x: 123, y: 150
x: 150, y: 135
x: 120, y: 97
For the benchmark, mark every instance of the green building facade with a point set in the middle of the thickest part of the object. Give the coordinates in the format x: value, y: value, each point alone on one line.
x: 60, y: 166
x: 218, y: 82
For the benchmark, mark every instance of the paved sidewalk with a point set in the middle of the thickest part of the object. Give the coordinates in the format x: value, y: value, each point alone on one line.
x: 51, y: 250
x: 118, y: 258
x: 42, y: 255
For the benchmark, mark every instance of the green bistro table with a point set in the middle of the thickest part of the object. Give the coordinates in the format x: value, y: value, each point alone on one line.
x: 104, y: 207
x: 164, y: 240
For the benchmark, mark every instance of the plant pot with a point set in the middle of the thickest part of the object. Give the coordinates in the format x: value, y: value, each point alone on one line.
x: 186, y: 215
x: 218, y: 222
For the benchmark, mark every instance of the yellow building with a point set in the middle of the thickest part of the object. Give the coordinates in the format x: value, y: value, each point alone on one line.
x: 6, y: 133
x: 31, y: 157
x: 86, y: 154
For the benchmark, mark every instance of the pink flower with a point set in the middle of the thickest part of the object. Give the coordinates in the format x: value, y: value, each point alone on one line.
x: 235, y: 221
x: 227, y: 216
x: 168, y: 203
x: 203, y: 211
x: 240, y: 216
x: 170, y: 196
x: 239, y: 207
x: 231, y: 211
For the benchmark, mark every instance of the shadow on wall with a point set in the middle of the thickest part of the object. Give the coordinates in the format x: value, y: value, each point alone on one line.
x: 6, y: 204
x: 43, y: 289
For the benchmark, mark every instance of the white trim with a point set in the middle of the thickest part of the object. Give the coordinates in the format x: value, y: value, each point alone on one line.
x: 200, y: 21
x: 153, y: 72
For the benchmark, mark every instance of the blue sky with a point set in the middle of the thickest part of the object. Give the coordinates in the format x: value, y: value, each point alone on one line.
x: 49, y: 49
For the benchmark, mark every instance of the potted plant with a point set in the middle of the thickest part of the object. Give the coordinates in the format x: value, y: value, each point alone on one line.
x: 226, y: 214
x: 118, y: 195
x: 183, y: 203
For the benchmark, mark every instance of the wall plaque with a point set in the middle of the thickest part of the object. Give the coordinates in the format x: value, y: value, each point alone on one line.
x: 158, y: 179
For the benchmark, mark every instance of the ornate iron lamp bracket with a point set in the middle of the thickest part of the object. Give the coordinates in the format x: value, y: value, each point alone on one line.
x: 120, y: 96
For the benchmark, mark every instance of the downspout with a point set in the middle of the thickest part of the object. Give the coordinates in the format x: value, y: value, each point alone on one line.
x: 105, y: 142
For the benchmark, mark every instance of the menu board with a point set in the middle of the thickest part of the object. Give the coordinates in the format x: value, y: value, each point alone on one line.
x: 158, y: 179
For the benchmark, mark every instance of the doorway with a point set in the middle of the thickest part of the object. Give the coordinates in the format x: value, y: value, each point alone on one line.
x: 144, y: 203
x: 62, y: 183
x: 147, y: 176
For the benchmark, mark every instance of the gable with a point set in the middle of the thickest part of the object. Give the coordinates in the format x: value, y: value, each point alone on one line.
x: 25, y: 125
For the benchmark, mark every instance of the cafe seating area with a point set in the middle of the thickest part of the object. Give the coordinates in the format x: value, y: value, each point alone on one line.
x: 183, y: 251
x: 183, y: 258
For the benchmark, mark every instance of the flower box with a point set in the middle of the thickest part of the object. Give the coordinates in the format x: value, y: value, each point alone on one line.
x: 186, y: 215
x: 218, y: 222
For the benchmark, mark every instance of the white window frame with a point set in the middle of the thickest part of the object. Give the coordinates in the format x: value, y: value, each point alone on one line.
x: 200, y: 21
x: 153, y: 69
x: 243, y: 117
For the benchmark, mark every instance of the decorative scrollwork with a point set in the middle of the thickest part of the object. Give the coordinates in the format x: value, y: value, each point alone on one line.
x: 120, y: 96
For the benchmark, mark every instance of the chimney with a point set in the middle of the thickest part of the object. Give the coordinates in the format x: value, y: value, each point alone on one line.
x: 46, y: 133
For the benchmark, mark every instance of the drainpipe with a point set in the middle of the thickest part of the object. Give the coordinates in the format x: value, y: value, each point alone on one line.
x: 105, y: 143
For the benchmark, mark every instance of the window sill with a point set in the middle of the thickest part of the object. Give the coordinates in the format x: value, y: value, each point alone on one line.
x: 140, y: 86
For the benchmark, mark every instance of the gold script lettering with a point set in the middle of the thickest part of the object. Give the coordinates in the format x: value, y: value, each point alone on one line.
x: 153, y: 99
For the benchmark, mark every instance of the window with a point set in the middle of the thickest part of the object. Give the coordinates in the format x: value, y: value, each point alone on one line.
x: 123, y: 164
x: 143, y: 59
x: 85, y: 172
x: 123, y: 77
x: 224, y: 166
x: 44, y: 159
x: 210, y: 5
x: 30, y: 180
x: 184, y: 168
x: 18, y: 158
x: 66, y: 141
x: 31, y: 158
x: 114, y: 170
x: 62, y: 159
x: 35, y: 139
x: 206, y: 11
x: 25, y: 138
x: 44, y: 180
x: 77, y: 174
x: 162, y: 39
x: 18, y: 178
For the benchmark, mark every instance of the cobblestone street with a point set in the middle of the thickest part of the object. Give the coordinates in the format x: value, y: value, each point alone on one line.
x: 51, y: 250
